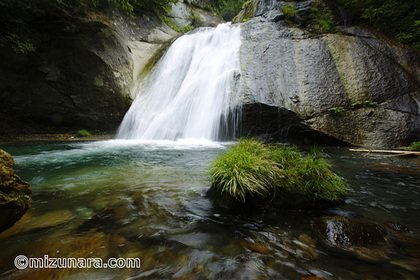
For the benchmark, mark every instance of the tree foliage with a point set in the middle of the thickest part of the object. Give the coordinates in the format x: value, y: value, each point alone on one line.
x: 397, y: 18
x: 74, y: 6
x: 159, y: 7
x: 322, y: 20
x: 228, y: 9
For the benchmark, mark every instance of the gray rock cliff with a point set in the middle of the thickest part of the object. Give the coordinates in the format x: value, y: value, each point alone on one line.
x: 83, y: 72
x: 304, y: 79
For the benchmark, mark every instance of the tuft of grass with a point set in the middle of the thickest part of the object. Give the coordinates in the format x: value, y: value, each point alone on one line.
x: 312, y: 178
x: 251, y: 168
x: 356, y: 105
x: 289, y: 11
x: 337, y: 110
x: 246, y: 169
x: 83, y: 133
x: 415, y: 146
x: 368, y: 103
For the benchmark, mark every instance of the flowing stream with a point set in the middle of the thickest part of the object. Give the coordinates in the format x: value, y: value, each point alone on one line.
x: 147, y: 199
x: 191, y: 91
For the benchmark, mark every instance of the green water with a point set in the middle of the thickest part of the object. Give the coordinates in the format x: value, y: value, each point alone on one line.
x: 154, y: 194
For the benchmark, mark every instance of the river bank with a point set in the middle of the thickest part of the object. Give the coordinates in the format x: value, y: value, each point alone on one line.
x: 54, y: 137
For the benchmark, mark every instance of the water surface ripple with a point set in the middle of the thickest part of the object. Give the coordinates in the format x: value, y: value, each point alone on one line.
x: 147, y: 199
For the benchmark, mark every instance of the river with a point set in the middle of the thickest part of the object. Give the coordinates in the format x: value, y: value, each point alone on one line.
x: 147, y: 199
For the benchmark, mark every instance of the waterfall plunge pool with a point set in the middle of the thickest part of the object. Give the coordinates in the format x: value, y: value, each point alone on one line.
x: 146, y: 199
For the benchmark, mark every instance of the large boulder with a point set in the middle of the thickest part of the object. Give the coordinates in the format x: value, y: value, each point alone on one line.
x: 362, y: 239
x: 15, y: 194
x: 314, y: 76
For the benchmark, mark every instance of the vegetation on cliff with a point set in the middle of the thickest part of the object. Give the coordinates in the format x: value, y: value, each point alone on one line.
x: 252, y: 170
x: 322, y: 19
x: 17, y: 16
x: 415, y: 146
x: 228, y: 9
x: 399, y: 19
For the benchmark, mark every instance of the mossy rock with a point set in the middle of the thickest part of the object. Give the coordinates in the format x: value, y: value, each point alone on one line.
x: 247, y: 13
x: 15, y: 194
x: 83, y: 133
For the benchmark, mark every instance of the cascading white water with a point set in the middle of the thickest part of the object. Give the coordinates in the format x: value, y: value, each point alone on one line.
x: 190, y: 91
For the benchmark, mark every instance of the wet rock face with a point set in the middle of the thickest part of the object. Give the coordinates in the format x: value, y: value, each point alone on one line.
x: 185, y: 14
x: 365, y: 240
x: 15, y: 194
x: 308, y: 74
x: 69, y: 80
x: 81, y: 73
x: 85, y: 69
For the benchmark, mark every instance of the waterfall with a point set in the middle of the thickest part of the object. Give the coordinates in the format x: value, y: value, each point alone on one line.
x: 191, y: 91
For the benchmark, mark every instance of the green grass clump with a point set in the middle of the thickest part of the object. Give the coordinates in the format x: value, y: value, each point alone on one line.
x: 289, y: 11
x: 415, y: 146
x: 337, y: 110
x: 312, y: 178
x: 247, y: 168
x: 252, y: 169
x: 83, y: 133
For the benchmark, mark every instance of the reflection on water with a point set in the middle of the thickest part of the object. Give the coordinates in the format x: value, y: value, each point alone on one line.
x: 147, y: 199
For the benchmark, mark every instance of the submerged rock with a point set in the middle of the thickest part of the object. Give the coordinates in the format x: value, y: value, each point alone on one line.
x: 307, y: 245
x: 31, y: 222
x: 103, y: 220
x: 408, y: 247
x: 364, y: 240
x: 15, y: 194
x: 407, y: 242
x: 68, y: 247
x: 404, y: 165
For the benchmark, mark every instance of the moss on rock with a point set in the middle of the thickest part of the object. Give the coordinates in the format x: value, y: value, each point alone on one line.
x: 15, y: 194
x: 250, y: 8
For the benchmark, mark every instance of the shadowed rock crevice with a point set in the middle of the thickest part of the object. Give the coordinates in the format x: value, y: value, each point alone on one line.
x: 273, y: 123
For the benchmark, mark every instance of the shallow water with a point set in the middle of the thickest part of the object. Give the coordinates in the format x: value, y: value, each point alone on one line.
x: 156, y: 209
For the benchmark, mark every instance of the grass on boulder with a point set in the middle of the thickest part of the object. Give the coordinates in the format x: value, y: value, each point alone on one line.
x: 83, y: 133
x: 252, y: 170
